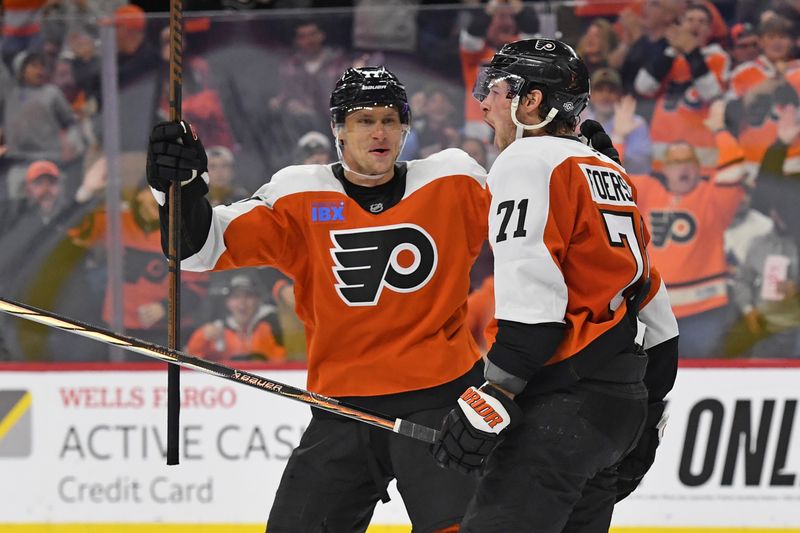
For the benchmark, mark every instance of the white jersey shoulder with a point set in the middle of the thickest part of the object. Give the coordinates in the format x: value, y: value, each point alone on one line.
x: 539, y: 156
x: 299, y: 179
x: 449, y: 162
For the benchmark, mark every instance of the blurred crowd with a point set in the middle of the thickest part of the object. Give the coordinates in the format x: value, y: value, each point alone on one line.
x: 700, y: 98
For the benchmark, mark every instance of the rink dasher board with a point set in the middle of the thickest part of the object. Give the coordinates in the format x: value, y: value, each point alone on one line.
x: 88, y: 446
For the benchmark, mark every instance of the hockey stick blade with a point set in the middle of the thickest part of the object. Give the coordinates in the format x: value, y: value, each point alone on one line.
x: 154, y: 351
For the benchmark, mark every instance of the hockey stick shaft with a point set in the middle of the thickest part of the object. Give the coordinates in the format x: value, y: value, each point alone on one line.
x: 397, y: 425
x: 174, y: 243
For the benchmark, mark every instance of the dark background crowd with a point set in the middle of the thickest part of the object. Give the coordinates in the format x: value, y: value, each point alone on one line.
x: 700, y: 97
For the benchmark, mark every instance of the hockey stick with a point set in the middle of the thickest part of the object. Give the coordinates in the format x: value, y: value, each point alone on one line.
x: 173, y: 240
x: 397, y: 425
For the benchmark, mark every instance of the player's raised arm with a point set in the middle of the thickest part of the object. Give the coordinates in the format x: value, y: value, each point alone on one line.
x: 246, y: 233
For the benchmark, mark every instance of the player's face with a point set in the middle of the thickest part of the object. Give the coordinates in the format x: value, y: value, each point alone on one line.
x: 681, y: 169
x: 496, y: 109
x: 371, y: 140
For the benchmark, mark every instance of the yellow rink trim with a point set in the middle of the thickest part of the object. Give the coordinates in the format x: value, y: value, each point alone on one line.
x: 259, y: 528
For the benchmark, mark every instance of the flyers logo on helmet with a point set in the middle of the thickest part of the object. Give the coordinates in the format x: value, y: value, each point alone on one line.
x: 401, y: 257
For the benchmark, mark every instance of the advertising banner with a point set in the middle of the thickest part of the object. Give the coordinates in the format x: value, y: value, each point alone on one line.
x: 89, y: 447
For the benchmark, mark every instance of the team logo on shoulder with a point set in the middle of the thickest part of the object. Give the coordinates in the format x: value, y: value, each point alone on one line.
x: 402, y: 257
x: 677, y: 226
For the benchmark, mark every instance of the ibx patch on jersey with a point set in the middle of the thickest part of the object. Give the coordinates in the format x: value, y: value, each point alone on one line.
x: 402, y: 257
x: 327, y: 211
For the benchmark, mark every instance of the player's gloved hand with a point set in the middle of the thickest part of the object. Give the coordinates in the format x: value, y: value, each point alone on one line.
x: 472, y: 429
x: 598, y: 139
x: 174, y: 154
x: 635, y: 465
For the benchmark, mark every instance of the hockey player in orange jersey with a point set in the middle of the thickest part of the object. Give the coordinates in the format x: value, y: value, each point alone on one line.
x: 565, y: 399
x: 380, y: 253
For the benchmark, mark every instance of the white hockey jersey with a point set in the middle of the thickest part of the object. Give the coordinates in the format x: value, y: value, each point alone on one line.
x: 569, y: 242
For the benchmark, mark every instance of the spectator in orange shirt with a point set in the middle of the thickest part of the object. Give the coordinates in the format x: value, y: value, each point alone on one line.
x: 759, y: 86
x: 245, y: 333
x: 685, y: 76
x: 687, y: 217
x: 745, y: 43
x: 144, y: 284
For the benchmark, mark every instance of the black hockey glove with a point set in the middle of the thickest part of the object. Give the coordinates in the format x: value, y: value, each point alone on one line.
x: 635, y: 465
x: 472, y: 429
x: 598, y: 139
x: 174, y: 154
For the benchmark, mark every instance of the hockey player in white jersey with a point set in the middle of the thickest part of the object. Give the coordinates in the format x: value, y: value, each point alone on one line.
x: 569, y: 392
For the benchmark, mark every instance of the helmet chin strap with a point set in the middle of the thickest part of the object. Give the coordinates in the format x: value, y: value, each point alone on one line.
x: 373, y: 177
x: 522, y: 127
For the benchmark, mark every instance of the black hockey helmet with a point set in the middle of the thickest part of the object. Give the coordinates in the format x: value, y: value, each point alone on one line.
x: 368, y: 87
x: 545, y: 64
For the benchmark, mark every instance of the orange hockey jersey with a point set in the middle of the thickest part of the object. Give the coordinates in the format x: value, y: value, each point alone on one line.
x: 256, y: 340
x: 569, y: 242
x: 688, y: 232
x: 145, y: 269
x: 480, y: 313
x: 383, y: 296
x: 683, y: 102
x: 755, y: 140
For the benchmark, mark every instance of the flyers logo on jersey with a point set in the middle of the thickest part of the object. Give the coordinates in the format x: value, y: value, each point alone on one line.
x: 402, y: 257
x: 678, y: 226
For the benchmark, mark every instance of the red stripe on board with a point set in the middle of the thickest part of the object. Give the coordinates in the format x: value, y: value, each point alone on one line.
x: 301, y: 365
x: 739, y: 363
x: 133, y: 366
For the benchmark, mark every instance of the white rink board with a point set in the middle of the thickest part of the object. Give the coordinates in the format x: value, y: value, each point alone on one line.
x: 88, y: 450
